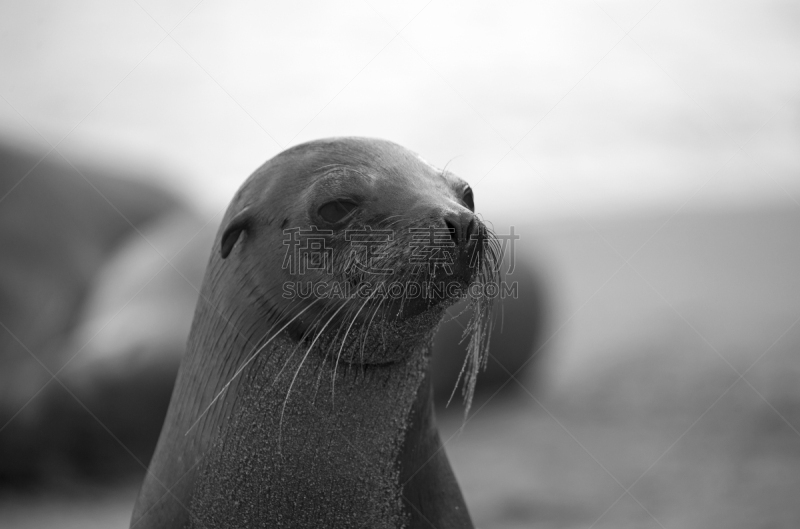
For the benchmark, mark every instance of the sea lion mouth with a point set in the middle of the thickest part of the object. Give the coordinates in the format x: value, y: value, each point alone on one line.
x: 374, y: 311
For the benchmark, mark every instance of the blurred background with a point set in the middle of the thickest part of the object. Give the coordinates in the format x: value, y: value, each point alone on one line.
x: 645, y: 152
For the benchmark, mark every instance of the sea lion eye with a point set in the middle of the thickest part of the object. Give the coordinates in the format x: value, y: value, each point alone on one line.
x: 468, y: 199
x: 336, y: 210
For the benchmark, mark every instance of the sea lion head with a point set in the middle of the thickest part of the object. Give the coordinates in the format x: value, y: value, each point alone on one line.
x: 358, y: 235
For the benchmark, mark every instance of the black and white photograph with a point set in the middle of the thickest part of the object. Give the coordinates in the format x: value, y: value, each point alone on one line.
x: 380, y: 264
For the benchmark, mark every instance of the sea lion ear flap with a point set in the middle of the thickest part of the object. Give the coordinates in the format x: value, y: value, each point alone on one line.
x: 236, y: 226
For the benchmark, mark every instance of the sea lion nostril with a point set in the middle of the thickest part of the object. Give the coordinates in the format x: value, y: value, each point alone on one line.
x: 453, y: 230
x: 472, y: 229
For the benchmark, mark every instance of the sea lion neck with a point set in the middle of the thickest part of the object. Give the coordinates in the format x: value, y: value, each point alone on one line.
x: 226, y: 331
x: 330, y: 446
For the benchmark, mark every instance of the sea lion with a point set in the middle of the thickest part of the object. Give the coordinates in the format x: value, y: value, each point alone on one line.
x: 298, y: 407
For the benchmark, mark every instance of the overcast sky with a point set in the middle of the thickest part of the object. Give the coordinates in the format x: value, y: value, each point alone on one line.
x: 547, y: 108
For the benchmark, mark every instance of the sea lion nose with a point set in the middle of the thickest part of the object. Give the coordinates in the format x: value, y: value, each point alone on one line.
x: 467, y: 235
x: 462, y: 227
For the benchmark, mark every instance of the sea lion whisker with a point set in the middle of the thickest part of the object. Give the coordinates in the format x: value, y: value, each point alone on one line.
x: 344, y: 340
x: 399, y: 219
x: 300, y: 366
x: 458, y: 379
x: 444, y: 169
x: 308, y: 332
x: 332, y: 345
x: 241, y: 368
x: 453, y: 317
x: 479, y: 325
x: 393, y: 218
x: 366, y: 332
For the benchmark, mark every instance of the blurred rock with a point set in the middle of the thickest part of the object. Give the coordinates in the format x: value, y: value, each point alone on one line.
x: 58, y: 225
x: 130, y: 339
